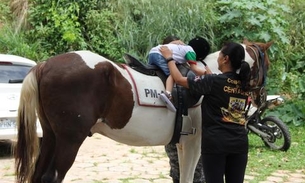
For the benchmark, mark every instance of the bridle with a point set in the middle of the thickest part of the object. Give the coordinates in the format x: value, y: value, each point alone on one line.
x: 261, y: 66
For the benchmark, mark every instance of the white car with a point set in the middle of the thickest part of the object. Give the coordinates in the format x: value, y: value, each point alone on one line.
x: 13, y: 69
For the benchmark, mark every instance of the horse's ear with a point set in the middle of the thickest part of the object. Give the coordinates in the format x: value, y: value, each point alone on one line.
x: 246, y: 41
x: 267, y: 45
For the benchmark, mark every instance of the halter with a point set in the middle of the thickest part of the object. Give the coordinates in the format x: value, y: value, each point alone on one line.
x: 261, y: 65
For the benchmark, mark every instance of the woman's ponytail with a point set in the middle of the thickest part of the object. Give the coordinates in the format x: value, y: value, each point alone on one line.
x: 236, y: 53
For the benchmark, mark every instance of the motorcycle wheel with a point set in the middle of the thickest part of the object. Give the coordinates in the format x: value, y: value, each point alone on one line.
x: 278, y: 133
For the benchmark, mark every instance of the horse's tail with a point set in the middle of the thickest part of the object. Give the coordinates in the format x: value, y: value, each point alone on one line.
x: 27, y: 147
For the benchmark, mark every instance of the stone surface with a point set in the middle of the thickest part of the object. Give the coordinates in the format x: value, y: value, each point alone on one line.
x: 101, y: 160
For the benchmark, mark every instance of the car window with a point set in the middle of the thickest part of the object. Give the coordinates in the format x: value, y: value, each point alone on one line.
x: 13, y: 73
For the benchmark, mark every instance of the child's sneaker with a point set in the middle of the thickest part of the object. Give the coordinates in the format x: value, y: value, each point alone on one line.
x: 165, y: 97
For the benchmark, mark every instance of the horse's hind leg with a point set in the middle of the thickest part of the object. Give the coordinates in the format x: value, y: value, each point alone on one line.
x: 61, y: 162
x: 68, y: 142
x: 66, y: 152
x: 46, y: 150
x: 45, y: 157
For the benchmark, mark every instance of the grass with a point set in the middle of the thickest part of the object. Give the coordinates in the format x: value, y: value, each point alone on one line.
x: 264, y: 162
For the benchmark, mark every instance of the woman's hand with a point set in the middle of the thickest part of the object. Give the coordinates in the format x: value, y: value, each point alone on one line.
x: 166, y: 52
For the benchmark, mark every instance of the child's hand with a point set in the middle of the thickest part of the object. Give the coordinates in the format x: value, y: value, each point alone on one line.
x: 208, y: 70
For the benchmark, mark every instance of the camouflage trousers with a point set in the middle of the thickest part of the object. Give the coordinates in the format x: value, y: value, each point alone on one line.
x: 172, y: 154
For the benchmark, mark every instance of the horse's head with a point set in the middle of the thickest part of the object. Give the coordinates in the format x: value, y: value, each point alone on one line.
x: 263, y: 47
x: 257, y: 52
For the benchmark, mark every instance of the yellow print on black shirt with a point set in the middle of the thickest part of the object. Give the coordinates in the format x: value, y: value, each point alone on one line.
x: 235, y: 112
x: 234, y: 87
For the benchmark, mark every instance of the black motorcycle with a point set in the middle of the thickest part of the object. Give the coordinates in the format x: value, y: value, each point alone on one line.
x: 271, y: 129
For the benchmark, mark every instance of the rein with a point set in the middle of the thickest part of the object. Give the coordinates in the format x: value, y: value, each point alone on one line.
x: 261, y: 65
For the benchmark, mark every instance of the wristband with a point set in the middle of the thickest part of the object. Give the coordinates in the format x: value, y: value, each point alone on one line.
x: 192, y: 62
x: 169, y: 59
x: 203, y: 62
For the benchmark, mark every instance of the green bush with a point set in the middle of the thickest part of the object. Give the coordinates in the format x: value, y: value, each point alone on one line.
x: 292, y: 65
x: 101, y: 34
x: 56, y: 25
x: 257, y: 21
x: 16, y: 44
x: 148, y: 22
x: 5, y: 15
x: 113, y: 27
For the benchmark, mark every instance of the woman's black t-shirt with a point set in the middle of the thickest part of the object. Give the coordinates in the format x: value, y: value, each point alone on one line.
x: 223, y: 112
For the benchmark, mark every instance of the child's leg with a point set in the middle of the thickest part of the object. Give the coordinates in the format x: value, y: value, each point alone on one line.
x: 169, y: 84
x: 166, y: 96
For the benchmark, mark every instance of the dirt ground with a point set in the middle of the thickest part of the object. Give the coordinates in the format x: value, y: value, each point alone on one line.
x: 102, y: 160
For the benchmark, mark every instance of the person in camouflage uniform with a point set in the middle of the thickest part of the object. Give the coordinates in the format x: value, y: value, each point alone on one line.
x: 171, y: 151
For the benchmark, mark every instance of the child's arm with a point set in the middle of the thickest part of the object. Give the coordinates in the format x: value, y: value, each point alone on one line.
x: 208, y: 70
x: 198, y: 70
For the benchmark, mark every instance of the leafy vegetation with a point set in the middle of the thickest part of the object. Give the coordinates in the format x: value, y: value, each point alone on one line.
x: 39, y: 29
x: 17, y: 44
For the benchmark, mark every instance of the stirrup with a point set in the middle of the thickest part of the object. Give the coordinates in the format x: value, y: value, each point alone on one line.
x: 167, y: 102
x: 187, y: 126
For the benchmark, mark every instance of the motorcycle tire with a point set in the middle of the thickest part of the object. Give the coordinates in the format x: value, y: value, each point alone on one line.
x: 279, y: 136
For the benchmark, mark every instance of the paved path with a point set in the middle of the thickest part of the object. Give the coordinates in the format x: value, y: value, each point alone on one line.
x: 101, y: 160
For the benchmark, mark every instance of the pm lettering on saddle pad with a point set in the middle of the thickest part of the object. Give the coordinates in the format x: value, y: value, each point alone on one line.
x: 151, y: 93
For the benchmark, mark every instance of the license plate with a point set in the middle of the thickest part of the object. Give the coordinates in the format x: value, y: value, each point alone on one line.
x: 6, y: 123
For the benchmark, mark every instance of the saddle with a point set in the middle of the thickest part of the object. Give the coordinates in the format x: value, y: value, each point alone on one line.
x: 152, y: 70
x: 182, y: 97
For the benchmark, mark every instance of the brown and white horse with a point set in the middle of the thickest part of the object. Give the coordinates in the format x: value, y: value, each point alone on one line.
x: 78, y: 93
